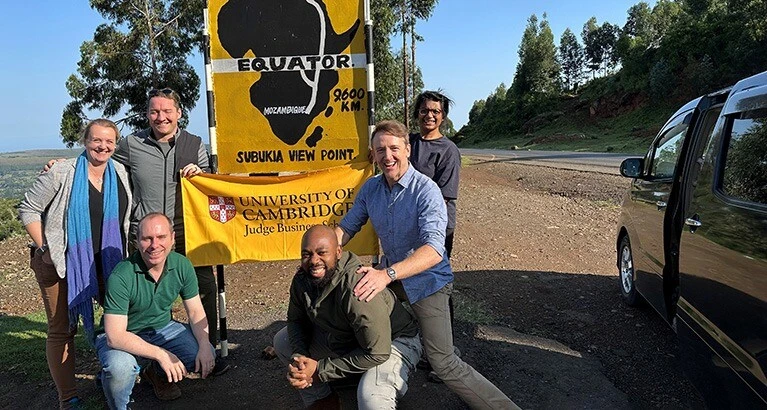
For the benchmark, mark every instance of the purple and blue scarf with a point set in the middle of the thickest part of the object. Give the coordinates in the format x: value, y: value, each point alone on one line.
x: 83, y: 286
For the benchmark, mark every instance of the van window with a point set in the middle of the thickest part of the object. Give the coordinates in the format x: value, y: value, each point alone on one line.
x: 668, y: 149
x: 745, y: 167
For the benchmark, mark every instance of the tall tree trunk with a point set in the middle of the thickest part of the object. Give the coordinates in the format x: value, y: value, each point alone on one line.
x: 151, y: 33
x: 405, y: 74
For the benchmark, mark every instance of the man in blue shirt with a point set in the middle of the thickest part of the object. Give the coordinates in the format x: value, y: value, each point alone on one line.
x: 409, y: 216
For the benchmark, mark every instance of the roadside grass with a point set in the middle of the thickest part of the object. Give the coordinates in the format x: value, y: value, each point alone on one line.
x: 22, y: 351
x: 22, y: 345
x: 630, y: 133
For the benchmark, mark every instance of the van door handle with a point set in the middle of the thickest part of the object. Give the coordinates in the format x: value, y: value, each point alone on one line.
x: 693, y: 223
x: 661, y: 205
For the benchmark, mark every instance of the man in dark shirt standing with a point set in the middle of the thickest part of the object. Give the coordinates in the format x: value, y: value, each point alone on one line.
x: 332, y: 335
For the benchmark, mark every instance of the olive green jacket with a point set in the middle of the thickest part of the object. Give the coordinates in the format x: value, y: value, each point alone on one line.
x: 359, y: 332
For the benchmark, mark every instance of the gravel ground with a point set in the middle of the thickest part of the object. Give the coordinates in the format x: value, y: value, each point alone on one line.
x: 538, y: 309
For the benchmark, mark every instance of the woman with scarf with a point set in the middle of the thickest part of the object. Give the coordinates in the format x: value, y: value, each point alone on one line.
x: 77, y: 216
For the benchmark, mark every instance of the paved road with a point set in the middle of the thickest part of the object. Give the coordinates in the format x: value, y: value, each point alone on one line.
x: 582, y: 161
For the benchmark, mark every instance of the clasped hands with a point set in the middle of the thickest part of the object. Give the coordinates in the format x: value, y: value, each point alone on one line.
x: 302, y: 372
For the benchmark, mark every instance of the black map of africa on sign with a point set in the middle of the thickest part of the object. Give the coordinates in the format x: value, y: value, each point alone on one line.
x: 285, y: 28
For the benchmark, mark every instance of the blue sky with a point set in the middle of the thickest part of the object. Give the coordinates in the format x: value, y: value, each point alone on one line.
x: 470, y: 48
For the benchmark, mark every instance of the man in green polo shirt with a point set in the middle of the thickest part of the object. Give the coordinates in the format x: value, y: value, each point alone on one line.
x: 137, y: 319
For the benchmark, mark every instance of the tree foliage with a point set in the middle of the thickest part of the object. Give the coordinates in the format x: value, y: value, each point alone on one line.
x: 590, y: 45
x: 144, y: 45
x: 409, y: 12
x: 538, y: 70
x: 571, y: 59
x: 388, y: 78
x: 10, y: 225
x: 600, y: 43
x: 745, y: 173
x: 670, y: 52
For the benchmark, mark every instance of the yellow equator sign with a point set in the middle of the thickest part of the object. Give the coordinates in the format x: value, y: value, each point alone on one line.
x: 289, y: 84
x: 229, y: 219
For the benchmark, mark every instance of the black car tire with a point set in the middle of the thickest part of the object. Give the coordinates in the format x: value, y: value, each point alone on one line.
x: 626, y: 275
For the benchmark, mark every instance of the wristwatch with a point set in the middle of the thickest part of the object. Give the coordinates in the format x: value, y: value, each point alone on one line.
x: 392, y: 274
x: 41, y: 250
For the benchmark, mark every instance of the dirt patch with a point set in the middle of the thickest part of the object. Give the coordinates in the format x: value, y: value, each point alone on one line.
x: 534, y: 258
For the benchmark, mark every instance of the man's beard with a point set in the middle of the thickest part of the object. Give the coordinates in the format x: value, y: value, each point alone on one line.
x: 325, y: 280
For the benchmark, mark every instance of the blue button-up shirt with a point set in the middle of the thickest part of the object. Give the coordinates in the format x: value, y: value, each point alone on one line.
x: 409, y: 215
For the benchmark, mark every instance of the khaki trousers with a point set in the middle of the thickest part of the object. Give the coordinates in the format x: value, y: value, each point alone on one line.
x: 60, y: 343
x: 433, y: 313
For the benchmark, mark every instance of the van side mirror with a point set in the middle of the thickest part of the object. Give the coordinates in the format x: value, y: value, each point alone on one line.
x: 632, y: 167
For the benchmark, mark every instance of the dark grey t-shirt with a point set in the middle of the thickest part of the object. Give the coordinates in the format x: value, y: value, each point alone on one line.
x: 439, y: 160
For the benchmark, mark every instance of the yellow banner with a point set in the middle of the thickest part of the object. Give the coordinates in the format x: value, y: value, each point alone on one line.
x: 229, y: 219
x: 289, y: 84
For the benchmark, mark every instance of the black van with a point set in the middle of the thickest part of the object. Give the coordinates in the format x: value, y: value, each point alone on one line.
x: 692, y: 239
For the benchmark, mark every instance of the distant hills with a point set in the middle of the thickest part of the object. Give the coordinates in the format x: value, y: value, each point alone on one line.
x: 18, y: 170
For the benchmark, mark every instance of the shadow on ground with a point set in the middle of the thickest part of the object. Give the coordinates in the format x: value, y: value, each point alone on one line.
x: 549, y: 340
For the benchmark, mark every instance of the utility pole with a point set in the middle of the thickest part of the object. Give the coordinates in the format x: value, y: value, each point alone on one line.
x: 405, y: 74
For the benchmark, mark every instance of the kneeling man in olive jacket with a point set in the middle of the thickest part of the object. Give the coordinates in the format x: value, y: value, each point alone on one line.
x: 332, y: 335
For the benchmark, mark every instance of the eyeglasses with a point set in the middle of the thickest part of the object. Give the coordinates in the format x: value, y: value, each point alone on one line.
x: 425, y: 111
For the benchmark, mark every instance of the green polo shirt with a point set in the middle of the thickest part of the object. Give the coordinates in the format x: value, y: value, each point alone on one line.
x: 131, y: 291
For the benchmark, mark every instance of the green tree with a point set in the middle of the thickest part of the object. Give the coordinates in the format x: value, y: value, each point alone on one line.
x: 747, y: 24
x: 591, y: 47
x: 600, y: 46
x: 633, y: 46
x: 476, y: 111
x: 571, y: 59
x: 387, y: 71
x: 536, y: 81
x: 389, y: 68
x: 661, y: 81
x: 144, y: 45
x: 490, y: 117
x: 608, y: 38
x: 745, y: 173
x: 410, y: 11
x: 415, y: 87
x: 419, y: 10
x: 697, y: 8
x: 537, y: 69
x: 639, y: 23
x: 665, y: 18
x: 448, y: 128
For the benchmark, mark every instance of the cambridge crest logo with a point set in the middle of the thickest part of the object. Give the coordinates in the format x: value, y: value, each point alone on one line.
x: 221, y: 208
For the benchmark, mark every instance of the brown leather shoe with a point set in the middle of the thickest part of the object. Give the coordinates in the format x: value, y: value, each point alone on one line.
x: 162, y: 388
x: 331, y: 402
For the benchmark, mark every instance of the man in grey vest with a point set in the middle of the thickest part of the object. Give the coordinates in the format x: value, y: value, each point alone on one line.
x: 157, y: 158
